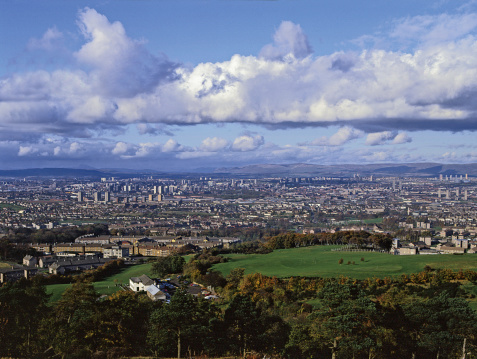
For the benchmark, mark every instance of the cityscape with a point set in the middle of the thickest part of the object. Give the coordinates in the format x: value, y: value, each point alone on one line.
x: 214, y: 179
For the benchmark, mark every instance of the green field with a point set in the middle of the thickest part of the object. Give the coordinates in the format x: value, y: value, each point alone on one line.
x: 12, y: 206
x: 5, y: 265
x: 320, y: 261
x: 107, y: 286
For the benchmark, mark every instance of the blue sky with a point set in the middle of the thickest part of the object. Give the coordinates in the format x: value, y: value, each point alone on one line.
x: 179, y: 85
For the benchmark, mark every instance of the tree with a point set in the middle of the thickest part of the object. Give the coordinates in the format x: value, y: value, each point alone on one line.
x: 74, y: 325
x: 124, y: 322
x: 23, y: 305
x: 346, y: 319
x: 440, y: 324
x: 301, y: 344
x: 168, y: 265
x: 242, y: 319
x: 184, y: 318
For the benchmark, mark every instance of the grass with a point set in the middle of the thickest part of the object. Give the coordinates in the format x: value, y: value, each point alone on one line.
x: 320, y: 261
x: 107, y: 286
x: 5, y: 265
x: 15, y: 207
x: 373, y: 220
x: 83, y: 221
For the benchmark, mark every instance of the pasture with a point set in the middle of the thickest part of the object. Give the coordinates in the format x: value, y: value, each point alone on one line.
x: 107, y: 286
x: 321, y: 261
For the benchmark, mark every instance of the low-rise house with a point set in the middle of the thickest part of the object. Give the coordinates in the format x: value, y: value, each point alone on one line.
x: 155, y: 293
x: 64, y: 265
x: 46, y: 261
x: 116, y: 252
x: 68, y: 247
x: 406, y: 251
x: 138, y: 284
x: 12, y: 274
x: 29, y: 261
x: 42, y: 247
x: 89, y: 239
x: 153, y: 250
x: 451, y: 250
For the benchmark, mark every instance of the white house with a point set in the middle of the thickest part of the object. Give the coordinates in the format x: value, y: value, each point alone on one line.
x: 138, y: 284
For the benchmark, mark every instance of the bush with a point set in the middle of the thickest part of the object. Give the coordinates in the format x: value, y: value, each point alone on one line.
x: 362, y: 259
x: 340, y: 261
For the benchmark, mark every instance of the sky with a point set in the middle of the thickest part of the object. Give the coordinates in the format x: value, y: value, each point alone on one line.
x: 178, y: 85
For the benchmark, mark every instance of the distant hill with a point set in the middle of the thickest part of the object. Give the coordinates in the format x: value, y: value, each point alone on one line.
x: 263, y: 170
x: 301, y: 169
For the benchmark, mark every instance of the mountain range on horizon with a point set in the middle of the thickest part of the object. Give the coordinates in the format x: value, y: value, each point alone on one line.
x: 263, y: 170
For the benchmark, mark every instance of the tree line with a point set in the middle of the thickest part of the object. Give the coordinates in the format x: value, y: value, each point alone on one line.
x: 359, y: 238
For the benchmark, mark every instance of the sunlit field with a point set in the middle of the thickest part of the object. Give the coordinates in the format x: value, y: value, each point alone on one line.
x: 321, y: 261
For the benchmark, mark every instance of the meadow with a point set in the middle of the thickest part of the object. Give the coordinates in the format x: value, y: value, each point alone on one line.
x: 321, y: 261
x: 107, y: 286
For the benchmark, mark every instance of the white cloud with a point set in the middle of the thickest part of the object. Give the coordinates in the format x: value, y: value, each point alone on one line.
x: 289, y: 41
x: 386, y: 137
x: 120, y: 148
x: 123, y: 66
x: 75, y: 147
x: 379, y: 138
x: 213, y: 144
x: 342, y: 136
x: 247, y: 143
x: 449, y: 155
x: 432, y: 29
x: 126, y: 84
x: 50, y: 40
x: 402, y: 138
x: 26, y: 150
x: 171, y: 146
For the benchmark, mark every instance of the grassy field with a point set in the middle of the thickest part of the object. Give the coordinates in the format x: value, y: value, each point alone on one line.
x: 83, y: 221
x: 15, y: 207
x: 107, y: 286
x: 320, y: 261
x: 5, y: 265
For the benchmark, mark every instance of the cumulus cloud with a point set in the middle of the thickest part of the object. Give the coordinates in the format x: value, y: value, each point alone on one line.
x: 171, y: 146
x: 51, y: 39
x: 289, y: 41
x: 26, y: 150
x: 75, y: 147
x: 386, y: 137
x: 247, y: 143
x: 120, y: 148
x: 123, y: 66
x: 379, y: 138
x: 213, y: 144
x: 119, y: 82
x: 342, y: 136
x: 402, y: 138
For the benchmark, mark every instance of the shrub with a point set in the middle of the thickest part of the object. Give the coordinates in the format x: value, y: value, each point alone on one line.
x: 340, y: 261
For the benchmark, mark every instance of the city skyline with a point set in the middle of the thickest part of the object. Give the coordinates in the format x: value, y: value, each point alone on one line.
x: 181, y: 85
